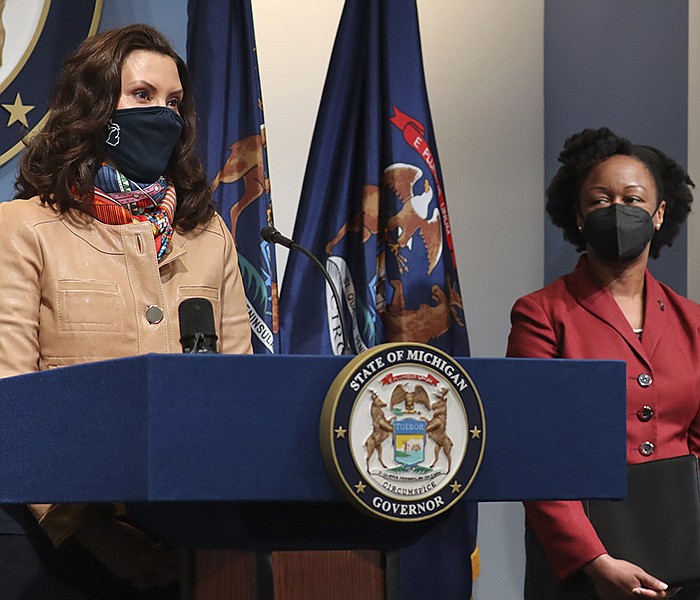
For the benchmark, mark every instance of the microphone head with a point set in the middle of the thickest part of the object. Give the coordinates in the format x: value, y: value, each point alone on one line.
x: 268, y: 233
x: 197, y: 329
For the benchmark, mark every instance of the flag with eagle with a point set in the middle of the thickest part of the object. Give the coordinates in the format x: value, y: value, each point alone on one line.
x: 222, y: 59
x: 373, y: 210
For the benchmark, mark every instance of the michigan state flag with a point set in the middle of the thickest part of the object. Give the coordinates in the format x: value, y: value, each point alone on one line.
x: 221, y: 56
x: 373, y: 210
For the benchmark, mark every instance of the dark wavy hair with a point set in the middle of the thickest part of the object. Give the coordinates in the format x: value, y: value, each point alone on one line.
x: 583, y: 151
x: 60, y: 162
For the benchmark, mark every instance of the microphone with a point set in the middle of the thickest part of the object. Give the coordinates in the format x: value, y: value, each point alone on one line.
x: 197, y: 330
x: 270, y: 234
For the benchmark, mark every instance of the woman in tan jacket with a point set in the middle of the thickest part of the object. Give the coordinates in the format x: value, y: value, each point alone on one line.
x: 113, y: 227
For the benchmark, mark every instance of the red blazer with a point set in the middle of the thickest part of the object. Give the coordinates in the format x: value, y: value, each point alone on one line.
x: 577, y: 317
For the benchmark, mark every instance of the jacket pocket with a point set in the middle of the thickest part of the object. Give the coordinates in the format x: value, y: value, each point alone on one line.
x: 90, y: 305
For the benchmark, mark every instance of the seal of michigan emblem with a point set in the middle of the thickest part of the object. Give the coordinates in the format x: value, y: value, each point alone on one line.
x: 35, y: 38
x: 403, y: 431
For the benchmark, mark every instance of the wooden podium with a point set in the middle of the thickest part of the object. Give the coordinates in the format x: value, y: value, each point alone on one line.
x: 221, y: 454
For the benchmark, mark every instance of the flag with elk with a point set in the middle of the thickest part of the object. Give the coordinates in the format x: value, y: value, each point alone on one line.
x: 373, y: 209
x: 222, y: 58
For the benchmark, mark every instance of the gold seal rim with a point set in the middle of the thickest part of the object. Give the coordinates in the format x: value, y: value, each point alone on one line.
x: 19, y: 146
x: 327, y: 430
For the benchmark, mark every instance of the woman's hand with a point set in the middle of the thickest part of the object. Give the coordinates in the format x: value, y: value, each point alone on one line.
x: 129, y: 553
x: 620, y: 580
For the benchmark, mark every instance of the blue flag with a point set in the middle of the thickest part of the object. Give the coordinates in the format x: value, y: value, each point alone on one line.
x: 223, y: 63
x: 373, y: 208
x: 373, y: 205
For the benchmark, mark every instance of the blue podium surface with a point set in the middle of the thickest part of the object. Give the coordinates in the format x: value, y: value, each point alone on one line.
x: 169, y: 432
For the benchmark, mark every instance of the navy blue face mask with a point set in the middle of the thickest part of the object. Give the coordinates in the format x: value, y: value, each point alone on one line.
x: 618, y: 232
x: 141, y: 140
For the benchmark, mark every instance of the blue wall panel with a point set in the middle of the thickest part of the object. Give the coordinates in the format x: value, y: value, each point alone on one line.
x: 621, y: 64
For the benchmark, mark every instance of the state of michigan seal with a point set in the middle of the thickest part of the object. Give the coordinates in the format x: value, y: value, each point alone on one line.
x: 36, y: 36
x: 403, y: 432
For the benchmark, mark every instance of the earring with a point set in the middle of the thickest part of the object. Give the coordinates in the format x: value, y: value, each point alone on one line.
x: 658, y: 226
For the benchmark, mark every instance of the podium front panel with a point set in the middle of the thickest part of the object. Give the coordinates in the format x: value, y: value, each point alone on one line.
x: 189, y: 428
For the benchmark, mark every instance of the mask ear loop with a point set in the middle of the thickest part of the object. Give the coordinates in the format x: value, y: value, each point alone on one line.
x: 657, y: 226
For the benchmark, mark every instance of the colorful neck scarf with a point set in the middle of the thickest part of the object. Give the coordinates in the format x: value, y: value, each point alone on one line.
x: 120, y: 201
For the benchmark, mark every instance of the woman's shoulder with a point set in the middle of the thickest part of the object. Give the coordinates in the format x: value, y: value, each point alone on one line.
x: 554, y: 293
x: 567, y: 289
x: 29, y: 212
x: 213, y: 227
x: 208, y: 240
x: 678, y: 301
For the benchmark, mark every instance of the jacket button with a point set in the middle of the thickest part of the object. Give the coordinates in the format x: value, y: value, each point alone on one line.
x: 154, y: 314
x: 644, y: 380
x: 646, y: 449
x: 645, y: 413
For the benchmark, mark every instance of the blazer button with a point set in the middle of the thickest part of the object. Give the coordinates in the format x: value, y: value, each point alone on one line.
x: 154, y: 314
x: 644, y: 379
x: 645, y: 413
x: 646, y: 449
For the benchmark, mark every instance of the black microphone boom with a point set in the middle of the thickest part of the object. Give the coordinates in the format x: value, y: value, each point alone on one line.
x: 270, y: 234
x: 197, y: 330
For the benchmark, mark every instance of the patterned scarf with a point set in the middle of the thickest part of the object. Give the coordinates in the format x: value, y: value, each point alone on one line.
x: 120, y: 201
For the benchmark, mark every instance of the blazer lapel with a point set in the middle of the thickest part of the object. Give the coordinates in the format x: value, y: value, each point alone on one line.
x: 178, y: 249
x: 592, y: 295
x: 655, y: 315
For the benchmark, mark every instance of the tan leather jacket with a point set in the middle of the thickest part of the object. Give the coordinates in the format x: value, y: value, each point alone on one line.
x: 74, y: 290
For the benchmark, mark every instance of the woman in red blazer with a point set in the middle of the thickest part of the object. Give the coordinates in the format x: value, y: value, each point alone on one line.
x: 621, y: 203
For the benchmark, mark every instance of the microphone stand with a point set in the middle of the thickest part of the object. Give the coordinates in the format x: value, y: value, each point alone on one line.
x: 270, y: 234
x: 198, y: 342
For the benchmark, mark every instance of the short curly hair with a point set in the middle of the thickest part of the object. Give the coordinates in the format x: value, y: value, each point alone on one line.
x: 583, y: 151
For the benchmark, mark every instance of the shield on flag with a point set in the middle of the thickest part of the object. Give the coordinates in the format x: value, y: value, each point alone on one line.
x: 409, y: 441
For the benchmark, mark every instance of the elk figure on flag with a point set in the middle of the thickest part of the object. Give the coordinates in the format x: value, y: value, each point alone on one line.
x: 223, y: 62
